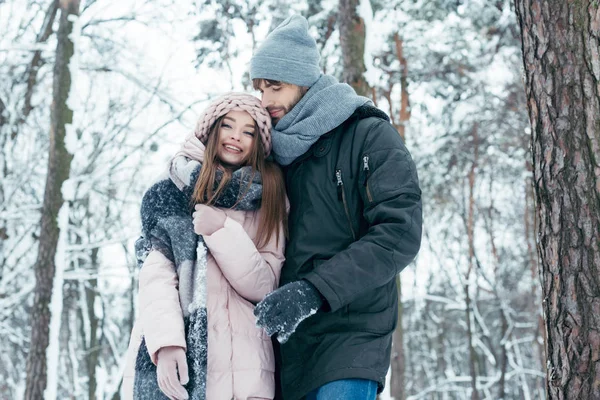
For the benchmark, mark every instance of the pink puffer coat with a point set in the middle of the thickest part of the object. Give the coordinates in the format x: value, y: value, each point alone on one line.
x: 240, y: 356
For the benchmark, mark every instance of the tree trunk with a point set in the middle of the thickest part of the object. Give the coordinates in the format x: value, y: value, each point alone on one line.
x: 562, y: 66
x: 93, y: 350
x: 397, y: 390
x: 69, y: 340
x: 404, y: 113
x: 502, y: 358
x: 35, y: 64
x: 59, y: 164
x: 397, y: 385
x: 471, y: 240
x: 352, y: 39
x: 529, y: 216
x: 472, y: 355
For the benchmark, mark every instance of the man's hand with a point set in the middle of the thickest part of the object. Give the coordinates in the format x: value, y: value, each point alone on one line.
x: 171, y: 359
x: 282, y: 310
x: 208, y: 220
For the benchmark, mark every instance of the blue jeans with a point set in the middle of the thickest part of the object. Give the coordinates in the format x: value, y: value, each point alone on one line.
x: 345, y: 389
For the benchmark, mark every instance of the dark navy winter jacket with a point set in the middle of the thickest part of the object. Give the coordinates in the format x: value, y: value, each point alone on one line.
x: 355, y: 223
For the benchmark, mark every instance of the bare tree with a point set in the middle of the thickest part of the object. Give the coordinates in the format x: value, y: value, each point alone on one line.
x: 59, y: 164
x: 560, y: 43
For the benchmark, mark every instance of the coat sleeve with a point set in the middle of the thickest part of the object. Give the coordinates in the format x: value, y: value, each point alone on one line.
x: 160, y: 313
x: 250, y: 271
x: 390, y: 192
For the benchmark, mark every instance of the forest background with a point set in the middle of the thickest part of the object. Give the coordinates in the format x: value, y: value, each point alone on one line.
x: 135, y: 78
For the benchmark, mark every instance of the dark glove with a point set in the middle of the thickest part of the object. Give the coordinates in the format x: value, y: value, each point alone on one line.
x: 282, y: 310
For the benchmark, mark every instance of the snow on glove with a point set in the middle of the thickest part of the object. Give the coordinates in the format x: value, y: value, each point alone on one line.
x: 171, y: 359
x: 282, y: 310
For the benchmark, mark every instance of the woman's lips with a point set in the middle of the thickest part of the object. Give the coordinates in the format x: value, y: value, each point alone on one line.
x: 232, y: 149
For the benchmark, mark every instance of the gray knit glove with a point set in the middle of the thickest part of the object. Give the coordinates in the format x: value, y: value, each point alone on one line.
x: 282, y: 310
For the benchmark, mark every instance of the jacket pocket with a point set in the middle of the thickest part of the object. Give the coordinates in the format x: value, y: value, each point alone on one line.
x: 342, y: 197
x: 375, y: 311
x: 387, y: 173
x: 367, y: 173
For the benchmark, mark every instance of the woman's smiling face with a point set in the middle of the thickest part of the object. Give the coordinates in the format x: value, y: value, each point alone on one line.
x: 236, y: 138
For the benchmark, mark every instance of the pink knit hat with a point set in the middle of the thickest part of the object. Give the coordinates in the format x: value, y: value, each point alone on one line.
x: 236, y: 102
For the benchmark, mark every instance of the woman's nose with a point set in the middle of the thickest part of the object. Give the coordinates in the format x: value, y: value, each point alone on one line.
x: 235, y: 135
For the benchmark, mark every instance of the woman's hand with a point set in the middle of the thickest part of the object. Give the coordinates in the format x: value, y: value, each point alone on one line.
x: 208, y: 220
x: 170, y: 360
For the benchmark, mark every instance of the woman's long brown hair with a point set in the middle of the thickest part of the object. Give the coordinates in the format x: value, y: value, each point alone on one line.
x: 273, y: 203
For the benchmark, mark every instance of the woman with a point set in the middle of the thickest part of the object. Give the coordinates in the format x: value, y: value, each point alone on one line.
x: 197, y: 293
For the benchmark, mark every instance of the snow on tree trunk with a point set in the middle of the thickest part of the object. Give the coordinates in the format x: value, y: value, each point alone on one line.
x: 561, y: 42
x: 59, y: 163
x: 92, y: 343
x: 56, y: 302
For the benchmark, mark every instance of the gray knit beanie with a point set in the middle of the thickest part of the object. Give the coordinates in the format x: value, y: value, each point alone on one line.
x: 289, y: 54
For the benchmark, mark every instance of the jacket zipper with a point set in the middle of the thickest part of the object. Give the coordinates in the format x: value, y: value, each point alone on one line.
x: 366, y: 171
x: 342, y: 198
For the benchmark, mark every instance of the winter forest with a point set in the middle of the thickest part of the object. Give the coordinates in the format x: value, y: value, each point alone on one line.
x: 498, y: 102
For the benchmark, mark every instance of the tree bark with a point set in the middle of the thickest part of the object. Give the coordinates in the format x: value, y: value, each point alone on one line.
x: 59, y: 164
x: 471, y: 240
x: 562, y: 66
x: 530, y: 221
x: 352, y: 40
x: 93, y: 347
x: 404, y: 112
x: 502, y: 358
x: 397, y: 387
x: 36, y: 62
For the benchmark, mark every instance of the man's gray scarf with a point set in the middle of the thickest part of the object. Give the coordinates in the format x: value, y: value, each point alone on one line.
x: 325, y: 106
x: 167, y: 227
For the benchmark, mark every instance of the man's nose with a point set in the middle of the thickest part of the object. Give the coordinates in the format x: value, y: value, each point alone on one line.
x: 266, y: 100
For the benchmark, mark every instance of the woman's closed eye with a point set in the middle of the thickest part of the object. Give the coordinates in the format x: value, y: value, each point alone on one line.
x: 249, y: 133
x: 224, y: 125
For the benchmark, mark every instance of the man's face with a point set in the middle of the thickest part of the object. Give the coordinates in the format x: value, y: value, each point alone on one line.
x: 279, y: 98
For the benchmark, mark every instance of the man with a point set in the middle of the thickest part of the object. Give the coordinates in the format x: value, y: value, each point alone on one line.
x: 354, y: 224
